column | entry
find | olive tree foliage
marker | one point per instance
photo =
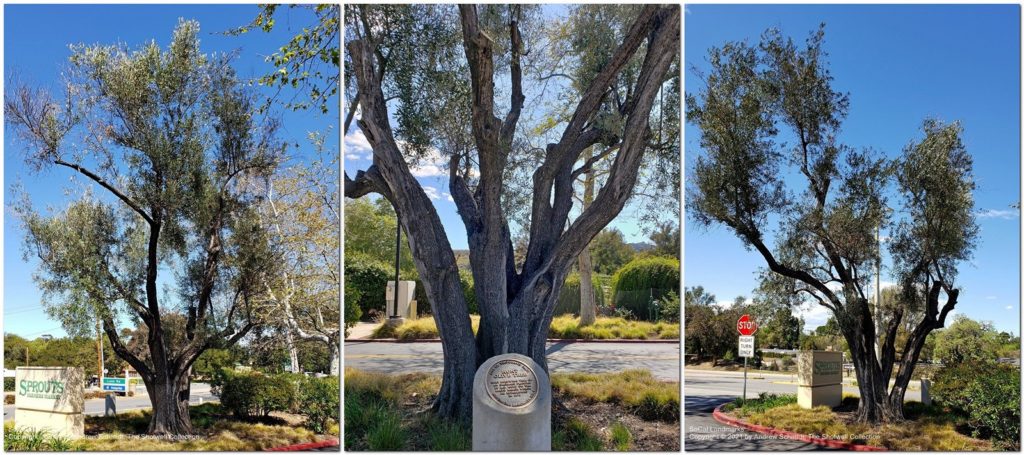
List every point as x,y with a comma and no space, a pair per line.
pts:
459,89
308,62
825,247
166,138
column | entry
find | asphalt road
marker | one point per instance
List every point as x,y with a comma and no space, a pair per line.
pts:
662,359
704,390
199,391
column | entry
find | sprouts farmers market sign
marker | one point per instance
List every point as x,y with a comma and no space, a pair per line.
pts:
50,390
50,398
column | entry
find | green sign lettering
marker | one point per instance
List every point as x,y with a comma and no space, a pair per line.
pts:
50,390
827,368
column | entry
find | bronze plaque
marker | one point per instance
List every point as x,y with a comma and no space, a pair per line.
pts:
512,383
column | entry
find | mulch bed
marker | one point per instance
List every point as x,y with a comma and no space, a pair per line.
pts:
648,435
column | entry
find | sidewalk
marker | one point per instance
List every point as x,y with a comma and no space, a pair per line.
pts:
361,331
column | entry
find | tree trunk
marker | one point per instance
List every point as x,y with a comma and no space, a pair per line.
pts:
293,352
335,358
169,396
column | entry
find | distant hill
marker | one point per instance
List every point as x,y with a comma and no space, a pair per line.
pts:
640,247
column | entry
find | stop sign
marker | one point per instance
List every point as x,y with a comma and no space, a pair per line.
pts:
746,326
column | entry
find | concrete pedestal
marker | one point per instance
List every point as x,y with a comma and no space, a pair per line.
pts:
820,379
511,405
824,395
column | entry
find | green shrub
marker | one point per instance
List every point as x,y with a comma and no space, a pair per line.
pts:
951,385
569,296
988,395
8,384
639,285
368,278
254,394
352,310
318,401
995,409
763,402
670,307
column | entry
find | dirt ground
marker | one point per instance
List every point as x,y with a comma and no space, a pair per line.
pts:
648,436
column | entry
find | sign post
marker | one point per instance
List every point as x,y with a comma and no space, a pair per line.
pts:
747,327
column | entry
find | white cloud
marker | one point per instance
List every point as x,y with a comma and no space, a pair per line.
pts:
432,192
990,297
430,165
356,142
814,314
1009,307
448,197
1001,214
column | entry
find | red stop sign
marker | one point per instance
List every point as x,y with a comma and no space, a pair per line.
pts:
746,326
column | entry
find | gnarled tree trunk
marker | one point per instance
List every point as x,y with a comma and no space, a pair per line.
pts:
516,304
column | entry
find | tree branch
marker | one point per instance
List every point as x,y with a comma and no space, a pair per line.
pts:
102,182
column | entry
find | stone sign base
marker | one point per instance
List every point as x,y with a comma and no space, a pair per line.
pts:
65,425
824,395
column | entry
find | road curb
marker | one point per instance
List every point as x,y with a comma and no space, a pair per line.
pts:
304,446
734,422
550,340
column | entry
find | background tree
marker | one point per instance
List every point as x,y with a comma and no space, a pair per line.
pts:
516,302
610,251
301,209
666,240
967,340
826,245
167,136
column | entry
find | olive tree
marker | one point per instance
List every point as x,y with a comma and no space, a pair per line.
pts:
167,137
826,247
516,301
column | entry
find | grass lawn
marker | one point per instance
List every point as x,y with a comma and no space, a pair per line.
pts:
125,433
391,412
565,327
927,428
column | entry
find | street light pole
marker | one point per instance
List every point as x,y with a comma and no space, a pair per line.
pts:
398,255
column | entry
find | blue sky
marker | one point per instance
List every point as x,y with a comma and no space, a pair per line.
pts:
433,175
900,65
36,39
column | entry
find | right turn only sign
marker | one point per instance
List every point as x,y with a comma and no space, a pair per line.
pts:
746,346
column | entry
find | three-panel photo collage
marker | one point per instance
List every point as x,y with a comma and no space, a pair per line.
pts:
579,227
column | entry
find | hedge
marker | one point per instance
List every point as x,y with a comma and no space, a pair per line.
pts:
252,394
369,279
569,296
643,281
987,395
318,400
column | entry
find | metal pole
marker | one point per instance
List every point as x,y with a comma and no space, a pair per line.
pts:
744,379
398,255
